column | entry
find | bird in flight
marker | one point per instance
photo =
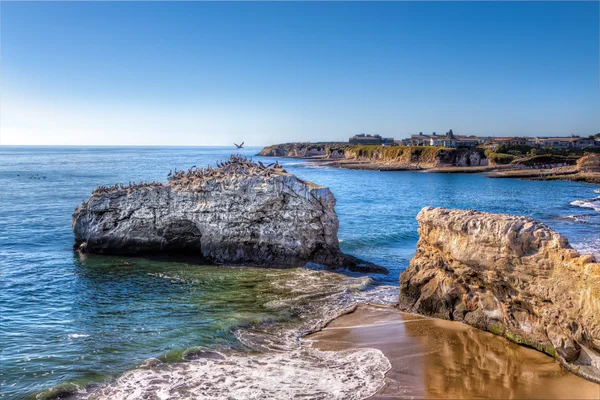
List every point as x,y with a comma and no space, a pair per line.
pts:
239,146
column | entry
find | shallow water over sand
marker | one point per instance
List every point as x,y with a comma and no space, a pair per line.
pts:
432,358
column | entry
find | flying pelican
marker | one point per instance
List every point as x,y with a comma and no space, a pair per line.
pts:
239,146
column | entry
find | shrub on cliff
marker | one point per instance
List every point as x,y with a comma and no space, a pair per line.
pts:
545,159
499,158
514,149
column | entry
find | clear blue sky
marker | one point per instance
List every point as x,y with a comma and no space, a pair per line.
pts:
197,73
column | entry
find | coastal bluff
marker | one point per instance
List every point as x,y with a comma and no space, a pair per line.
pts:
240,212
380,157
512,276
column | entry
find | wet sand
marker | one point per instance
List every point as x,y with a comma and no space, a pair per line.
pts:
433,358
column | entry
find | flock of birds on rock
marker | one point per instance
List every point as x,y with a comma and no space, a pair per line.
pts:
237,165
120,186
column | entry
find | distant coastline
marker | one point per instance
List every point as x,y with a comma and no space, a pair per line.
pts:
503,162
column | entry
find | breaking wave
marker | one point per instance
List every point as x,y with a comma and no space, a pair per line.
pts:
593,203
77,335
298,374
579,218
276,362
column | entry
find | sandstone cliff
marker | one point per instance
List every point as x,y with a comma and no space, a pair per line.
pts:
512,276
420,156
589,163
239,213
298,150
417,156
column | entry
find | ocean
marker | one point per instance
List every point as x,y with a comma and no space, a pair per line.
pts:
77,323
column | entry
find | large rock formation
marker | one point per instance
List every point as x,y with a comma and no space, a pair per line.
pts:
421,157
238,213
510,275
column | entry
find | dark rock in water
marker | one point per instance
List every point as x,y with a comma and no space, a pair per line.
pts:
59,392
512,276
238,213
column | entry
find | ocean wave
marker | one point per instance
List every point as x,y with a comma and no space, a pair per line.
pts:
591,246
593,203
305,373
318,165
578,218
276,363
77,335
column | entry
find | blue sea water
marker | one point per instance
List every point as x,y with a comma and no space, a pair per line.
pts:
85,320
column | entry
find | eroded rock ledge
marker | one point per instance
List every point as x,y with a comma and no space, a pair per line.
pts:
238,213
400,157
512,276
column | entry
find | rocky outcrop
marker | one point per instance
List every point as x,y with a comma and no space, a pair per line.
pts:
418,156
589,163
298,150
238,213
510,275
468,157
544,162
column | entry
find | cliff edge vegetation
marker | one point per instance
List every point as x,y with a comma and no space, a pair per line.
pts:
392,157
502,161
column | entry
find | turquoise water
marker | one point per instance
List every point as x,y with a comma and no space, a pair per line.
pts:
87,320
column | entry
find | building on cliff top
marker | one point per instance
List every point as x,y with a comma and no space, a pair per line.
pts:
565,142
448,140
363,138
452,140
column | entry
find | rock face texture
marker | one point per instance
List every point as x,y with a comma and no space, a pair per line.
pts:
239,213
589,163
295,150
461,158
423,157
512,276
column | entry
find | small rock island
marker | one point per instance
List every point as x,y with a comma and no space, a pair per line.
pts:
240,212
512,276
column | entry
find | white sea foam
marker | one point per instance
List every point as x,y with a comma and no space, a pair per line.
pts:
593,203
586,219
77,335
280,365
304,373
590,246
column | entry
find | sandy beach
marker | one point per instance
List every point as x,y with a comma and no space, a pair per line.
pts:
433,358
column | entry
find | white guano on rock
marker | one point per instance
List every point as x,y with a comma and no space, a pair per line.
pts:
238,213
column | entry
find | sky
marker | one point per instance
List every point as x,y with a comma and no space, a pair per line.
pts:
213,73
